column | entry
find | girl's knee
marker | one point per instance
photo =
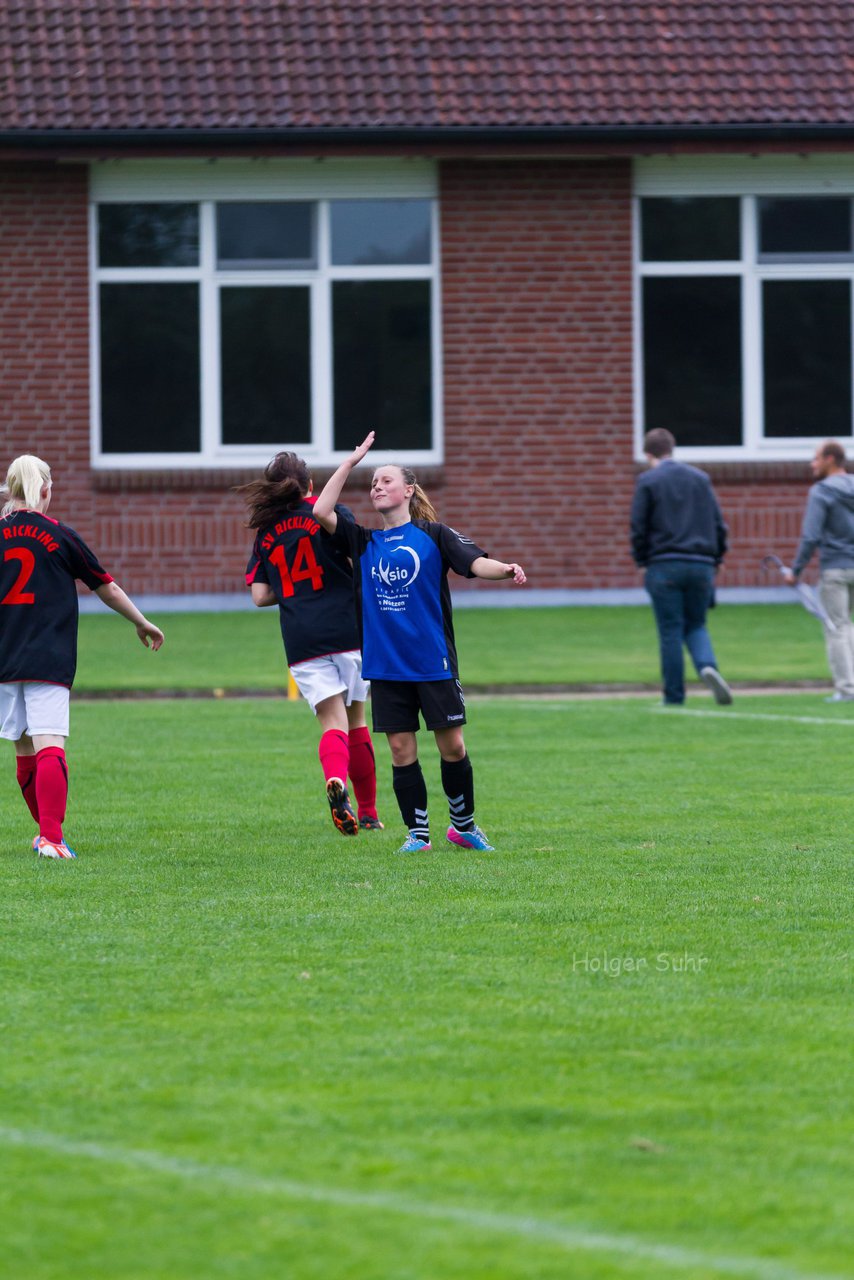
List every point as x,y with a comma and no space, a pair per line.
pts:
451,744
403,747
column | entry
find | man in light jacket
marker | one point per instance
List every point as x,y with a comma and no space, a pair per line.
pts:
829,525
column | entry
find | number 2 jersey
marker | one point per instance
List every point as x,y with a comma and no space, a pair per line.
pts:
312,581
402,580
40,559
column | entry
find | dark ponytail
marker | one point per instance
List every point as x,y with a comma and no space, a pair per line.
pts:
283,486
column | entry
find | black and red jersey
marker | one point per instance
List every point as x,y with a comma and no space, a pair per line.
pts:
312,580
40,559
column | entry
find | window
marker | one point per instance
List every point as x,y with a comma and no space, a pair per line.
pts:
381,361
745,324
229,328
692,357
149,367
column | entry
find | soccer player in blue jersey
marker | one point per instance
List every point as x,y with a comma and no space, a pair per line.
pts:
40,560
408,650
295,565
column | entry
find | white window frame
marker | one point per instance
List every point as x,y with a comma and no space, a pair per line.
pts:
748,178
208,183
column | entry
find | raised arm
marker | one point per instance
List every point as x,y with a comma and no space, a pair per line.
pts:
497,570
114,598
324,508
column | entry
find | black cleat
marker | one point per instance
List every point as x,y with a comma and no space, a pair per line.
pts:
342,811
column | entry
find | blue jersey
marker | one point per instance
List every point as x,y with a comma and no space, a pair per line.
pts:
402,580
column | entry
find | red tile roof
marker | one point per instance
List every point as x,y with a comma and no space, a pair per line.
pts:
368,64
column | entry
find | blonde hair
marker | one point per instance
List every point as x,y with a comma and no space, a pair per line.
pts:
420,506
24,481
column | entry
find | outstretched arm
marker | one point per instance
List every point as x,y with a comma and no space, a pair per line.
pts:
496,570
324,508
114,598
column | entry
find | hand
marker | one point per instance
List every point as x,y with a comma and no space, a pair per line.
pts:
788,577
147,631
359,452
516,572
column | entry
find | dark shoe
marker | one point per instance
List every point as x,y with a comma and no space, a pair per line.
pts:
342,811
371,824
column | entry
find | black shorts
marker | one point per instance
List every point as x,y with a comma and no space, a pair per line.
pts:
395,705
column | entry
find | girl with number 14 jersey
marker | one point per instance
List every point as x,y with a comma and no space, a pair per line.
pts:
294,565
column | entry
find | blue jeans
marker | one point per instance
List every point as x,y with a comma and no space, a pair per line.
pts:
681,591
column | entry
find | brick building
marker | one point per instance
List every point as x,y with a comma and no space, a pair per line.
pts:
511,237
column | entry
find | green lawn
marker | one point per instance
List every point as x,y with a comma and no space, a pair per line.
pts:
496,646
236,1044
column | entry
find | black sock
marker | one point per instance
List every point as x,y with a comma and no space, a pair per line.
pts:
411,792
458,784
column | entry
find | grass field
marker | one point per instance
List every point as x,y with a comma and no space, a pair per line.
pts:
496,646
236,1044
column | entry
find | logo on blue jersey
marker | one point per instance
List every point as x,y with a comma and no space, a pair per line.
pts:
397,574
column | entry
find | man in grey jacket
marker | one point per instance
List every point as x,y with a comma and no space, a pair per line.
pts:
829,525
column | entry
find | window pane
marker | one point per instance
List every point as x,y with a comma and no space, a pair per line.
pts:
148,235
807,357
811,225
381,354
149,368
691,229
380,232
266,377
265,235
692,358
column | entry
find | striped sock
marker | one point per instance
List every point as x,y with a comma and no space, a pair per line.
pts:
410,790
458,785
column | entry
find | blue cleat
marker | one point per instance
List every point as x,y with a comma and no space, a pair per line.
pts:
414,844
474,839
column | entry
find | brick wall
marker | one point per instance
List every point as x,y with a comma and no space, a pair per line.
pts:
537,352
537,313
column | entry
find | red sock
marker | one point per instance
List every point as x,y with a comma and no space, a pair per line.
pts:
334,752
51,791
363,771
26,766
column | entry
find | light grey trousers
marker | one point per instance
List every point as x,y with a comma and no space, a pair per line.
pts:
836,588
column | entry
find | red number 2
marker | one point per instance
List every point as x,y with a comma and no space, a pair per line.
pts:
304,567
28,563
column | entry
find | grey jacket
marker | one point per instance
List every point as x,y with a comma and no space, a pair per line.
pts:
828,525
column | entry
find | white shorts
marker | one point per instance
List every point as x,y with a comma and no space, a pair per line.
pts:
322,678
28,706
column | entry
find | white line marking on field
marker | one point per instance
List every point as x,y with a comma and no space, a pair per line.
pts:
540,1230
753,715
